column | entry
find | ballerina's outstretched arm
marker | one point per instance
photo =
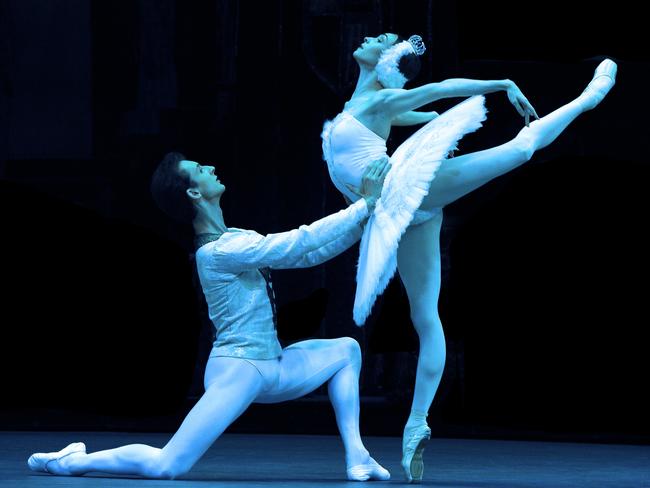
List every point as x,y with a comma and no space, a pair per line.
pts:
413,118
396,101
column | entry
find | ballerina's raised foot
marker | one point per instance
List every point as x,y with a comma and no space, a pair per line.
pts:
47,462
369,471
413,445
603,81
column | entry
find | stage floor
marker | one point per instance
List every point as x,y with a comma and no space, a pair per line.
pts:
317,461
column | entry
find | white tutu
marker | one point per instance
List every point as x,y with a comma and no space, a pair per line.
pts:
414,165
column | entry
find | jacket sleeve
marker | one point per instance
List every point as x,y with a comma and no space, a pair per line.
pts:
305,246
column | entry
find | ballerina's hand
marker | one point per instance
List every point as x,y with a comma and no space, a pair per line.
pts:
521,103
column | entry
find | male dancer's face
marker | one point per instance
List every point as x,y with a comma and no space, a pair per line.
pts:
370,50
202,179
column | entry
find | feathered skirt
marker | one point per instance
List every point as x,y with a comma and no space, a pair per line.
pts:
414,166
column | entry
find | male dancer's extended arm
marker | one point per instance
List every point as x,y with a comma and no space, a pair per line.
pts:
305,246
326,252
308,245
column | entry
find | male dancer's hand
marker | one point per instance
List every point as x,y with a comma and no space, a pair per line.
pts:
372,181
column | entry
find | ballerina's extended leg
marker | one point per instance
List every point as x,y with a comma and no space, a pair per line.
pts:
419,267
463,174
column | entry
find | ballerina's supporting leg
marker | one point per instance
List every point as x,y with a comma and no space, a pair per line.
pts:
463,174
225,398
418,259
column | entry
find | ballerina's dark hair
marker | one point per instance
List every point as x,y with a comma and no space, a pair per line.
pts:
409,65
168,189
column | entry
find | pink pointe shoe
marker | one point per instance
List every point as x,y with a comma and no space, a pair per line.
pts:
39,461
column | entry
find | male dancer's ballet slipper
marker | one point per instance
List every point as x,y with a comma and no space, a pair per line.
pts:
603,80
369,471
40,460
413,445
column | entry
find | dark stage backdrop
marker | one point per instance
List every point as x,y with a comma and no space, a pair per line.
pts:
544,269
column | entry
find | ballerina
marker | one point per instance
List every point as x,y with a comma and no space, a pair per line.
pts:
403,233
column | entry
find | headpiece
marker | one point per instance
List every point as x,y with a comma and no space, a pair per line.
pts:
418,46
387,68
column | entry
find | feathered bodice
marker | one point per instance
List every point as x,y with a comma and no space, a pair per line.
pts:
348,147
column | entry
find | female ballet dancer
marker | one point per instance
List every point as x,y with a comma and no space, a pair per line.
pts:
404,231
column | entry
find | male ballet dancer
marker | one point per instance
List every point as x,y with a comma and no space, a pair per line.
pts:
247,363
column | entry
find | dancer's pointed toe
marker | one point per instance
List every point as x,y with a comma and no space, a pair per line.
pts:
39,461
606,68
413,445
600,85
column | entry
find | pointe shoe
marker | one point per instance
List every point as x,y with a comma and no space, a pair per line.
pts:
40,460
413,445
372,470
603,81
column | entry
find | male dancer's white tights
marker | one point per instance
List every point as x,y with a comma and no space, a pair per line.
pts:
231,385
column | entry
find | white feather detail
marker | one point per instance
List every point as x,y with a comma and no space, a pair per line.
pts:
414,165
387,67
